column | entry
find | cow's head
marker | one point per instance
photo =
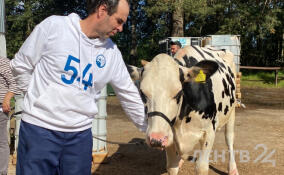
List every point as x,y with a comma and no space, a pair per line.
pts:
161,88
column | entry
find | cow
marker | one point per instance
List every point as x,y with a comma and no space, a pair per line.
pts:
187,98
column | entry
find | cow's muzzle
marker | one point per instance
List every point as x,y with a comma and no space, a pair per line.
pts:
158,140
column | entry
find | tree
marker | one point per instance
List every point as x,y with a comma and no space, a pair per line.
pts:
260,24
260,27
22,16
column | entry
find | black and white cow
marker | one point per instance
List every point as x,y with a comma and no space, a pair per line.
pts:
187,98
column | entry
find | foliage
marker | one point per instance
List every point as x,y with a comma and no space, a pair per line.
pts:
264,79
22,16
259,23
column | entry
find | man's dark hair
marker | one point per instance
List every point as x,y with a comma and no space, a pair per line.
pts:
175,43
111,5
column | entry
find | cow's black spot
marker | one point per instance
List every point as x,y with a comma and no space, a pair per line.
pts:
189,61
213,123
229,79
223,94
231,73
219,71
226,88
208,53
220,107
226,110
180,63
195,48
178,96
181,75
232,100
215,49
232,84
221,65
143,97
188,119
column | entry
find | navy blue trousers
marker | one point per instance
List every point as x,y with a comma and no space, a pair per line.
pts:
46,152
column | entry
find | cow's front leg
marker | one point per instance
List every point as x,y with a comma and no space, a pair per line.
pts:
173,160
202,164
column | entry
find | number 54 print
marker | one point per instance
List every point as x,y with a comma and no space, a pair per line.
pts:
74,76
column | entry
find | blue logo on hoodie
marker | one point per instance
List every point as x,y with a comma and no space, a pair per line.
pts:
101,61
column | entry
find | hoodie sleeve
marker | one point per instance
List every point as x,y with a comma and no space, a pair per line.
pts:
28,56
128,94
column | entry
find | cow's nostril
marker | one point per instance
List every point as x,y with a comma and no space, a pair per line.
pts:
156,143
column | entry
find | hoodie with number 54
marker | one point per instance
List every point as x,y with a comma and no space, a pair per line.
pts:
61,72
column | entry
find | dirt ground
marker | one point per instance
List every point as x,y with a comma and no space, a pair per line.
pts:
259,141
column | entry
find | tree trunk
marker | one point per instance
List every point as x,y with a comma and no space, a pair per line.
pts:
177,16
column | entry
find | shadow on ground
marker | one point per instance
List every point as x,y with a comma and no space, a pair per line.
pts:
130,159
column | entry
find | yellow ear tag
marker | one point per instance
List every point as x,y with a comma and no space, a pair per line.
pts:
201,77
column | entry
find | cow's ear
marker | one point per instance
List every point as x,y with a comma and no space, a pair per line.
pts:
202,71
208,67
144,62
135,72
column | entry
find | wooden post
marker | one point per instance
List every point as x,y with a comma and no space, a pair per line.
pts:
238,88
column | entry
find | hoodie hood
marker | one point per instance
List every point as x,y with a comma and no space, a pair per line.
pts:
98,42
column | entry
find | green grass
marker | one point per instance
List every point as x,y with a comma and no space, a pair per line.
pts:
262,79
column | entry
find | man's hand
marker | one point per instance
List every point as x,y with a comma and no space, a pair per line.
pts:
6,102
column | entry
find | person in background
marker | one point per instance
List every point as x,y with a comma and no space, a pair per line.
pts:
61,68
8,89
175,46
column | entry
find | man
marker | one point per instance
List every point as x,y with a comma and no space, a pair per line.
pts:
175,46
7,91
61,68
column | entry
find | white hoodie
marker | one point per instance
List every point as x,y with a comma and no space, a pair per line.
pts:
49,68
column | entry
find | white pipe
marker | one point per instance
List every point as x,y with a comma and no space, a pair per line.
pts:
19,99
99,124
